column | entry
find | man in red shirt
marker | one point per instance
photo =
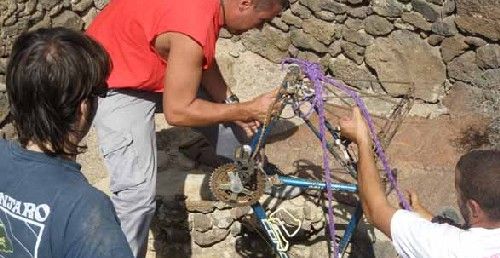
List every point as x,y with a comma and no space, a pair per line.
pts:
163,50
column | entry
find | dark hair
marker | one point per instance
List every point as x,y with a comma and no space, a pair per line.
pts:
50,73
263,4
479,180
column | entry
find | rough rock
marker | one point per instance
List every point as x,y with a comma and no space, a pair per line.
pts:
461,93
464,68
68,19
82,5
377,26
428,10
291,19
222,219
353,51
403,56
359,38
304,41
435,40
321,30
452,47
449,7
3,65
344,69
445,27
388,8
326,16
335,48
361,12
269,42
225,34
417,20
278,23
334,7
210,237
475,41
310,56
100,4
494,133
201,222
354,24
488,56
89,17
488,80
401,25
479,17
301,11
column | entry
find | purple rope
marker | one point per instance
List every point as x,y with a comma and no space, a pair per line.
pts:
317,77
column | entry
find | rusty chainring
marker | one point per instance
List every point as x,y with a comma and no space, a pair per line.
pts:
253,187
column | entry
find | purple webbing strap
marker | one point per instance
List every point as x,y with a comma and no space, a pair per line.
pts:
315,74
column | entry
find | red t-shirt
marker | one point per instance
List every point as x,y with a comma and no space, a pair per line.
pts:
128,28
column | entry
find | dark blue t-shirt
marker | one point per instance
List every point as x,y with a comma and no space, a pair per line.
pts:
48,209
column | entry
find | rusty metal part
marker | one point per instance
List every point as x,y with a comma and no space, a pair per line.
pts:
224,190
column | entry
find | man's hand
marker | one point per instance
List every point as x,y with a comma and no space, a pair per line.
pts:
354,128
260,106
250,128
417,206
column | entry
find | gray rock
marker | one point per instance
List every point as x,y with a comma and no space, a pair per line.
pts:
361,12
479,17
3,87
494,132
353,51
310,56
201,222
488,56
428,10
346,70
89,17
464,68
291,19
452,47
334,7
446,27
68,19
360,38
236,228
354,24
321,30
475,41
340,18
417,20
388,8
326,16
82,5
100,4
269,42
210,237
378,26
304,41
404,57
3,65
278,23
438,2
435,40
488,80
356,2
48,4
301,11
449,6
313,5
335,48
293,51
222,219
224,33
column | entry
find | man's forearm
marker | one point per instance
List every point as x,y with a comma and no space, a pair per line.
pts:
213,82
201,112
374,201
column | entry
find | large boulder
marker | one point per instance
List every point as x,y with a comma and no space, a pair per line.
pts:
479,17
404,57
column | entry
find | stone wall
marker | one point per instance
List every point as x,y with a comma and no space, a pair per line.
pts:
448,49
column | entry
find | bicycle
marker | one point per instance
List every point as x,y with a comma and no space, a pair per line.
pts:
243,182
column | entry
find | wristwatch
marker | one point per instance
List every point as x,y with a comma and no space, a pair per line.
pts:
232,99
